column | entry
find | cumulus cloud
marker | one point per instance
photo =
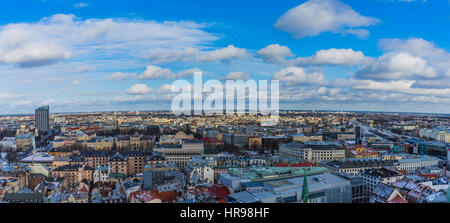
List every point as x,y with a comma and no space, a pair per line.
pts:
60,37
296,75
224,55
155,72
120,76
239,75
274,53
409,59
139,89
347,57
317,16
397,66
164,89
373,85
161,56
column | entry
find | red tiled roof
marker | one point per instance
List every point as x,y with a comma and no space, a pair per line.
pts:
397,200
168,196
218,191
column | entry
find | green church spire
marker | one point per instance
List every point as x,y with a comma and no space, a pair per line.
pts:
305,190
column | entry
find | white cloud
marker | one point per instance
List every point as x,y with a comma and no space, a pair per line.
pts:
373,85
156,72
81,5
119,76
161,56
239,75
398,66
317,16
274,53
164,89
77,83
139,89
84,68
61,37
185,73
296,75
333,56
223,55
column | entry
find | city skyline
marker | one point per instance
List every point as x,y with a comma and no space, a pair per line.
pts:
377,55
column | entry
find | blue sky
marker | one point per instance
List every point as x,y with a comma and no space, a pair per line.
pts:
380,55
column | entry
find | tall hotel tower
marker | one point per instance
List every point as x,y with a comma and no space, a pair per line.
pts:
42,119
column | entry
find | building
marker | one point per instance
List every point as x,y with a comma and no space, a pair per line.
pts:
355,166
360,152
24,197
411,163
134,142
24,142
129,163
200,170
436,149
383,193
321,188
311,152
306,138
436,134
360,193
160,174
181,154
101,173
373,177
238,179
42,119
73,174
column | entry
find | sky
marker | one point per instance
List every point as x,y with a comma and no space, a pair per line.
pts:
372,55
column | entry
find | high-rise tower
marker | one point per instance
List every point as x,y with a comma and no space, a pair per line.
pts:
41,117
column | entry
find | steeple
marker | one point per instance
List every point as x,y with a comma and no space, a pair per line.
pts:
305,190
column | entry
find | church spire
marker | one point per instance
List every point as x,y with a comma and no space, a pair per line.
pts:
305,190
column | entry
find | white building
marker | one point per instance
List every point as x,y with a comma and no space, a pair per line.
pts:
101,173
314,152
373,177
417,162
182,154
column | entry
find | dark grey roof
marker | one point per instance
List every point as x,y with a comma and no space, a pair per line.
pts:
22,196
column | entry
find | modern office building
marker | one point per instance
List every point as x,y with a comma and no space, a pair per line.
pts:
42,118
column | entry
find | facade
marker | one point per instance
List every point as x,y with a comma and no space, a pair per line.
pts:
129,163
101,173
134,142
356,166
160,174
417,162
373,177
306,138
237,179
42,119
361,152
73,174
436,149
322,188
24,142
313,153
181,154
